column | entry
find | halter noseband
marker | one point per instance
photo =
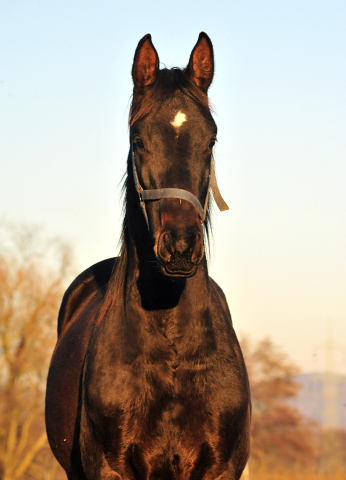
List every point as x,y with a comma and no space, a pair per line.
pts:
157,193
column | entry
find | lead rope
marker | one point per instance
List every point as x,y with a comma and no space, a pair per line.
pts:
220,202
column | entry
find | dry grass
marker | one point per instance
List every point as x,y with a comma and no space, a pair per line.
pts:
266,475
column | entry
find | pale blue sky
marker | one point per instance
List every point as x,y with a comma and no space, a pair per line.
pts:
279,93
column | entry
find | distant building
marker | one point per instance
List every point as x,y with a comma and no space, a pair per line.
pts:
322,398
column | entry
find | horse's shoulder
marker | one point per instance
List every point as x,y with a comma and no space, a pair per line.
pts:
91,280
222,297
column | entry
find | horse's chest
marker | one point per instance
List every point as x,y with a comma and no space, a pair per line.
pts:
161,398
161,392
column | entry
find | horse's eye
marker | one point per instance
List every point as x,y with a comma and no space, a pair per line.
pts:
137,143
212,143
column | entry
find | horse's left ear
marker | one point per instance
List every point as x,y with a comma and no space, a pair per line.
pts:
145,64
200,69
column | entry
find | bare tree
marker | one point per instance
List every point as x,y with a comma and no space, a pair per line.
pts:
32,280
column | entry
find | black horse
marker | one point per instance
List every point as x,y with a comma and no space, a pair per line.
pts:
147,380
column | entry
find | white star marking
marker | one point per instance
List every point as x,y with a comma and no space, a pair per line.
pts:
179,119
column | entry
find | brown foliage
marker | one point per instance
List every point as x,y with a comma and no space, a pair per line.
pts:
281,438
32,273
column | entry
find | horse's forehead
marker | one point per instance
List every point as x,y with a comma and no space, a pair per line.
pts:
176,116
183,115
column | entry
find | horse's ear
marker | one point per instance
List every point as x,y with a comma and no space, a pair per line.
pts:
145,64
200,69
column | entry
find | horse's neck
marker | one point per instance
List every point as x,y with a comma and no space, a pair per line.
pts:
142,304
151,290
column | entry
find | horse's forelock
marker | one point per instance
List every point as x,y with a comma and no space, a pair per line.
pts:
168,83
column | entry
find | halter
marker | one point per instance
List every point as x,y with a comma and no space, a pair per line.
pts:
157,193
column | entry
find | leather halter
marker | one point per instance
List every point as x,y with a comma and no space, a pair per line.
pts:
158,193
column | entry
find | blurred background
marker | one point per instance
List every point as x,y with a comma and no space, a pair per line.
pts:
279,253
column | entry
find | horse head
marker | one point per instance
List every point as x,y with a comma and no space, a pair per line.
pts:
172,134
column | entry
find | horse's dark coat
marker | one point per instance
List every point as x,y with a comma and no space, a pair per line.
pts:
147,380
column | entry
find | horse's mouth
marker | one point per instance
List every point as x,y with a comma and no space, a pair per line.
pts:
171,270
180,273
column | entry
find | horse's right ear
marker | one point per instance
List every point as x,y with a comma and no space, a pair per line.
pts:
145,64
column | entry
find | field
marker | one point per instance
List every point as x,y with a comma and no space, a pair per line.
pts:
265,475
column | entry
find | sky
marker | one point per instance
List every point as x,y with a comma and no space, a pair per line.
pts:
279,94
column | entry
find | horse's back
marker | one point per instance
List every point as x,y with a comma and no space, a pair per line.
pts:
77,316
92,280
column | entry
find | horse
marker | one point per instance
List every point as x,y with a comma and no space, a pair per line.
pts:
147,380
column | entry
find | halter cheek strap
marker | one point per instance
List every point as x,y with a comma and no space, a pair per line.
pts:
157,193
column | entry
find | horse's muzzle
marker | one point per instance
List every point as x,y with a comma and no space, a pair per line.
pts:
179,246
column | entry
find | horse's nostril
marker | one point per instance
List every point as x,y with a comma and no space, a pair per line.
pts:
198,250
166,248
168,243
